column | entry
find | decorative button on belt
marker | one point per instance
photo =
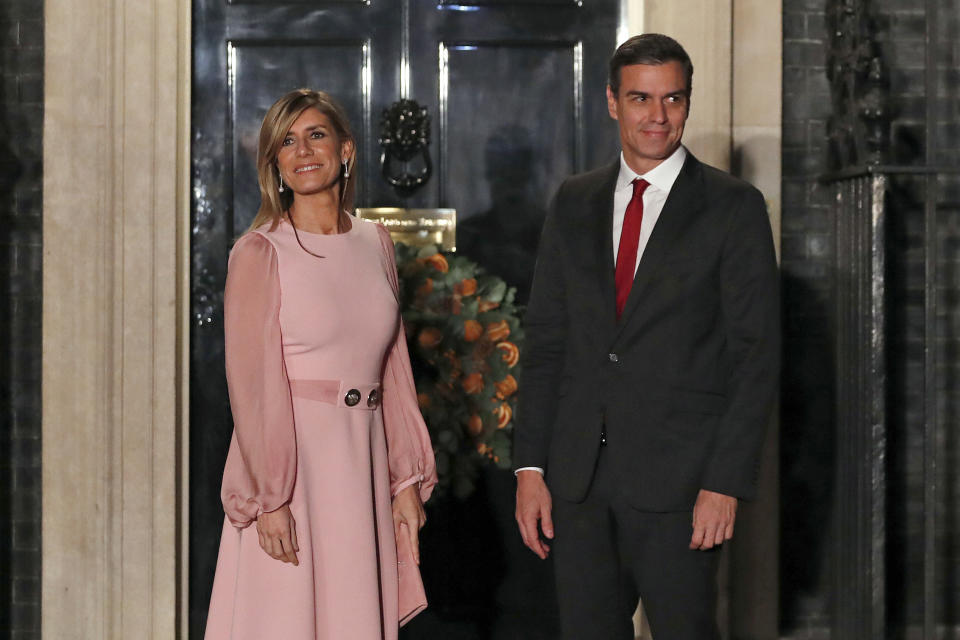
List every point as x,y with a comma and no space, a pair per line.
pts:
352,398
373,398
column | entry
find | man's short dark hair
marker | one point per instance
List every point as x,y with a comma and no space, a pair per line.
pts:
649,48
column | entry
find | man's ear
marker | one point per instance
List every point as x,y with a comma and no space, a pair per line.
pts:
612,103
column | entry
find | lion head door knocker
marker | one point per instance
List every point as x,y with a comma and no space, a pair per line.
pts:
404,135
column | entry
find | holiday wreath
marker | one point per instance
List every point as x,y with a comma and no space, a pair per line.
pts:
464,333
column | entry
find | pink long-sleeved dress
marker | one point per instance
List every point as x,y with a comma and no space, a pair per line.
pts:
325,419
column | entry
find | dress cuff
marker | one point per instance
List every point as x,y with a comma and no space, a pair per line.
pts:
406,483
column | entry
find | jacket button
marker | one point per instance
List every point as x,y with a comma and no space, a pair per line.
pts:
614,358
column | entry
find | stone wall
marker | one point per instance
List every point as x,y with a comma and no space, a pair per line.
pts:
807,385
21,125
903,44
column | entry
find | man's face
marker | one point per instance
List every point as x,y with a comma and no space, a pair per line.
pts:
651,109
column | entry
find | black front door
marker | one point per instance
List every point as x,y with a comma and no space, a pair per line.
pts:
515,91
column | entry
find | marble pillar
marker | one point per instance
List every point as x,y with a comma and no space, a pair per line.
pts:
115,269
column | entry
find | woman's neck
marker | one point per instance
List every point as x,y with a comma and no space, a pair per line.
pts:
319,213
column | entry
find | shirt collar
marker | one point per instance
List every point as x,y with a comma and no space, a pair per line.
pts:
661,176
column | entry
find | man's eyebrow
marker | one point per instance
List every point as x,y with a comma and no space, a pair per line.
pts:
678,92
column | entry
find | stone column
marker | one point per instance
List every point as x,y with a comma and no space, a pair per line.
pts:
116,197
704,29
756,148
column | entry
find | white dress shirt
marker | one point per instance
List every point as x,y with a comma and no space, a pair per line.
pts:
661,179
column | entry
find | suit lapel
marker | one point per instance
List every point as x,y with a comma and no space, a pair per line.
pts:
682,204
602,229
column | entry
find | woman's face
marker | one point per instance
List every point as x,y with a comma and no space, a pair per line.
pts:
311,154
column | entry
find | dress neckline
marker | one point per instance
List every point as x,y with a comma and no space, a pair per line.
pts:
354,222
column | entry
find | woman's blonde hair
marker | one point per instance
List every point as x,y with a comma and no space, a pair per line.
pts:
280,117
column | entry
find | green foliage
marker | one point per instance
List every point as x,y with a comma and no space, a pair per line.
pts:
463,329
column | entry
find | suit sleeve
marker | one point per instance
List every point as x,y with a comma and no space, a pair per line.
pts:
543,356
750,306
262,459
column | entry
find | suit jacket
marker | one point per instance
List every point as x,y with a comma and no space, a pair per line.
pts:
685,381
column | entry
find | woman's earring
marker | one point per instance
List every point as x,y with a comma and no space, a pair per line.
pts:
346,169
280,175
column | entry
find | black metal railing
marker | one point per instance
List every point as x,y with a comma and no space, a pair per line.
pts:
863,334
860,316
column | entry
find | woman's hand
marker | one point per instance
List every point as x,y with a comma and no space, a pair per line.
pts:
278,534
407,509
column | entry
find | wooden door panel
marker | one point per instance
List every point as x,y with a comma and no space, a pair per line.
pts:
498,136
467,5
312,3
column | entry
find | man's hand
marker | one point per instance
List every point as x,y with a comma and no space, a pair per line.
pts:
278,534
713,517
408,510
534,505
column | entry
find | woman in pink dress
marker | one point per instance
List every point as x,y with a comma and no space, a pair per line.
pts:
330,458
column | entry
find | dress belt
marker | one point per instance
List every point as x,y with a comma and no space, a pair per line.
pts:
342,393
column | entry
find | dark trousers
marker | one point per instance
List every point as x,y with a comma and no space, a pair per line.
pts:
609,555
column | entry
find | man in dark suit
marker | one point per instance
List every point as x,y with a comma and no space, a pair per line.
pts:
650,369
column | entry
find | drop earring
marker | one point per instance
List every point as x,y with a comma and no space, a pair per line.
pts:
280,175
346,169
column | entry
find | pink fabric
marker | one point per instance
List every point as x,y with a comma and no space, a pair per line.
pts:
291,316
335,392
322,390
262,459
402,417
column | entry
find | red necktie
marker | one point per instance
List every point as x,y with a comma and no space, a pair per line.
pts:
629,241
